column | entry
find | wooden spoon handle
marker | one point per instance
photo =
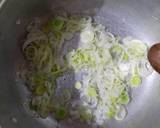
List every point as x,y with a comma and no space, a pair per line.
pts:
154,57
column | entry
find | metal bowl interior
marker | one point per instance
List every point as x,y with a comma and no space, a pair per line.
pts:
137,18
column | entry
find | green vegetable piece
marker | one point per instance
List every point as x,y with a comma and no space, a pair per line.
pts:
113,99
40,90
116,49
135,80
82,58
30,52
124,98
137,49
57,23
57,35
111,113
56,68
41,105
78,85
92,92
61,113
39,79
65,95
33,106
86,116
125,57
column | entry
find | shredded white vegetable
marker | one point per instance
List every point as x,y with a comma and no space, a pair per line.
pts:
106,66
112,68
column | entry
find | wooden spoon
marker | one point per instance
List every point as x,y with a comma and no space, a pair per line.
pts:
154,57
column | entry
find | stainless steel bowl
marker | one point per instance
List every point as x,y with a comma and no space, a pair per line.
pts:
137,18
